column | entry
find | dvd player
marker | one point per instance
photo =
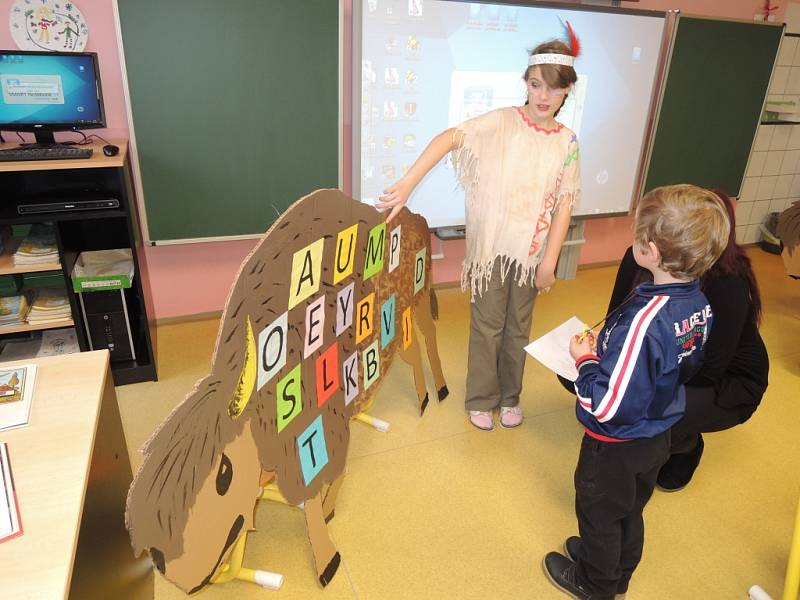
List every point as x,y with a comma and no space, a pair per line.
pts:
67,206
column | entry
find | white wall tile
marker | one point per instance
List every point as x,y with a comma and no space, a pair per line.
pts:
760,210
794,137
752,234
777,205
795,189
790,160
743,210
764,136
740,233
782,186
788,47
772,166
779,81
756,164
793,83
780,137
749,189
766,187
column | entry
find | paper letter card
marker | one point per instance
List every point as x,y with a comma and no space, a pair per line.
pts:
552,349
16,393
10,524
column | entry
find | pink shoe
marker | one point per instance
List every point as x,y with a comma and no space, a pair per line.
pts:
510,416
482,419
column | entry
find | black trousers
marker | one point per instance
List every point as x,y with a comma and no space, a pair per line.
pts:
613,482
704,415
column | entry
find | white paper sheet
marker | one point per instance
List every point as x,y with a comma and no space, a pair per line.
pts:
58,341
16,393
552,349
9,516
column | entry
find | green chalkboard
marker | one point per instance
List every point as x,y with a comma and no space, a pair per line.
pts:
235,109
714,92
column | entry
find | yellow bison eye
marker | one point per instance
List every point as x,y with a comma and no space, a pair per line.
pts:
247,378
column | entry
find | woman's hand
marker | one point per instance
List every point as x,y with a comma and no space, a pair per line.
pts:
544,279
581,345
395,197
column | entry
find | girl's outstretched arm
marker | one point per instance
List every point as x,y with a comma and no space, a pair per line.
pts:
396,196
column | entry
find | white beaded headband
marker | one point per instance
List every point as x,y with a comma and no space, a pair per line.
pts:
551,59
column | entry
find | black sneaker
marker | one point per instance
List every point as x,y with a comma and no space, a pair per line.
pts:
572,546
677,472
561,572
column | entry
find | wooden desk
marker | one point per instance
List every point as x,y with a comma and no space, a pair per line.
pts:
97,160
72,473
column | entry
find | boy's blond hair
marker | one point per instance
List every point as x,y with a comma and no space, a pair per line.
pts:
688,224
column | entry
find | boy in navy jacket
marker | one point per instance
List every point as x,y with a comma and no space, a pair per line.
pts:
630,388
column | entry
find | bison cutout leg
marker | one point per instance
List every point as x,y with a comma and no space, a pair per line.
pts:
428,328
329,498
326,558
413,356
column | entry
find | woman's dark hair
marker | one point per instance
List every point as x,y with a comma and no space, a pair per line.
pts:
734,260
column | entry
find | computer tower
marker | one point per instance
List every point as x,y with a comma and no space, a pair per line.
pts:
105,314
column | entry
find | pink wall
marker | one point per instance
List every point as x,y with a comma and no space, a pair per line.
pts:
102,39
195,278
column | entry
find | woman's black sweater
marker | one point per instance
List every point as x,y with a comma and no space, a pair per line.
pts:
735,358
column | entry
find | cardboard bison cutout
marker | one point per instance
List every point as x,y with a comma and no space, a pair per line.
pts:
318,311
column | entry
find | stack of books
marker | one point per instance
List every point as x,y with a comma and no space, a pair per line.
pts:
13,310
38,247
49,305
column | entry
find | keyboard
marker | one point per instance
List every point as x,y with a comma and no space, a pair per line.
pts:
44,153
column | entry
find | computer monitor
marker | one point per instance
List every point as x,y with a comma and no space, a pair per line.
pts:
44,92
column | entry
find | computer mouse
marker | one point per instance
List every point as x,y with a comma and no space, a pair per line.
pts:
110,150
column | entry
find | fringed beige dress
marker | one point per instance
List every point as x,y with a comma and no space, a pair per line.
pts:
514,174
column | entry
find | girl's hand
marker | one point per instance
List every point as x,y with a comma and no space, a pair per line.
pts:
544,279
395,197
578,347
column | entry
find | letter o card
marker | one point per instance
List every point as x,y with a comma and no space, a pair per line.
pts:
272,349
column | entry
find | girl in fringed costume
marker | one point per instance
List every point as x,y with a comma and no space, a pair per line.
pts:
519,170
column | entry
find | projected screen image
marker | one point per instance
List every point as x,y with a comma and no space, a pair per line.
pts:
48,89
426,65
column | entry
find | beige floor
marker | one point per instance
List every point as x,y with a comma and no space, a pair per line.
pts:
437,509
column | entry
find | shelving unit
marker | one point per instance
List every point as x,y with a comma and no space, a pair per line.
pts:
47,182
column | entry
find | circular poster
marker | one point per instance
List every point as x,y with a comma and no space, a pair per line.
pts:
48,25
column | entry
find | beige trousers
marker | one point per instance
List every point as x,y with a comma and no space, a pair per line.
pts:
500,327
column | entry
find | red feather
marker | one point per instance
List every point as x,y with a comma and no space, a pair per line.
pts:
574,42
